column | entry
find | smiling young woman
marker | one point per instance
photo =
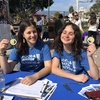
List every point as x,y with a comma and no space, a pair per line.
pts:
33,54
76,63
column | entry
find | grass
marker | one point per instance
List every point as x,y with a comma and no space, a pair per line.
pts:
85,26
85,29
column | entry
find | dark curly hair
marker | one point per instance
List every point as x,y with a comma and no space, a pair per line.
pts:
77,45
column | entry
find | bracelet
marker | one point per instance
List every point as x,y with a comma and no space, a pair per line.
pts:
3,54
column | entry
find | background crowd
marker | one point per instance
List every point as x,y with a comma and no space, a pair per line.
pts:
72,59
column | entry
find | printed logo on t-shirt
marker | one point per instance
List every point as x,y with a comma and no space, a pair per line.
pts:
31,59
69,66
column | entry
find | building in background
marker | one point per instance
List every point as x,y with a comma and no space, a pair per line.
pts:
83,14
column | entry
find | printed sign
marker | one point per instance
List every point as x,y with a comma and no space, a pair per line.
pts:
4,20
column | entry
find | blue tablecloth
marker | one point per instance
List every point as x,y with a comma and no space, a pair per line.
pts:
61,93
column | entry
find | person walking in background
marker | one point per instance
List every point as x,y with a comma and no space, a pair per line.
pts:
99,26
93,26
59,23
77,21
33,54
40,23
13,33
66,18
69,52
45,30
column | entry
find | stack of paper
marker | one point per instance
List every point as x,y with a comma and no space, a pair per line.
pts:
41,89
90,88
5,97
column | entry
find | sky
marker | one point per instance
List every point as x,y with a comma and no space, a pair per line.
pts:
63,5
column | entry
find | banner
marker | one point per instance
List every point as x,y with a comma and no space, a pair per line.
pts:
4,20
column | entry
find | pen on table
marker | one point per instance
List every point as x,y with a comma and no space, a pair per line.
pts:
67,87
74,83
44,86
50,92
1,97
49,88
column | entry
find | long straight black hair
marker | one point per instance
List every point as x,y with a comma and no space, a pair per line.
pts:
92,18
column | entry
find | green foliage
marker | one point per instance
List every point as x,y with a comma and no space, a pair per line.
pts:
96,7
27,7
85,26
56,14
71,9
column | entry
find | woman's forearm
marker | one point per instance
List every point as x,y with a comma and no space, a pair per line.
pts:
4,64
94,71
43,72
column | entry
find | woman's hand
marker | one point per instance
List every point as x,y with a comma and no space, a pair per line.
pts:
28,80
90,50
3,45
81,78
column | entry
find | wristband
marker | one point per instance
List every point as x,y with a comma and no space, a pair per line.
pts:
3,54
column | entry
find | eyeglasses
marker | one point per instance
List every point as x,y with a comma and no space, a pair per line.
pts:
75,15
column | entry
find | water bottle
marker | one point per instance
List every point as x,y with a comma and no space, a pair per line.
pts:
2,80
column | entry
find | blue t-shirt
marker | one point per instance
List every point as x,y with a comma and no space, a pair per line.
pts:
70,65
34,59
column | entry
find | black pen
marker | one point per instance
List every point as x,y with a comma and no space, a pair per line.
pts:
67,87
74,83
44,86
1,97
42,90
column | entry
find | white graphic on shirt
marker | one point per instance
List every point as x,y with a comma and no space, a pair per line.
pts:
70,66
31,59
74,66
38,56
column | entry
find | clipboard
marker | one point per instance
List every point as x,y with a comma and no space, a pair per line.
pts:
35,90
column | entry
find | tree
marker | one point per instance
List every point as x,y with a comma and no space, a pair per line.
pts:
96,7
71,9
27,7
56,14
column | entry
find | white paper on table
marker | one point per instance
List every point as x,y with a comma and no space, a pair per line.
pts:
89,88
33,90
7,97
82,92
95,86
